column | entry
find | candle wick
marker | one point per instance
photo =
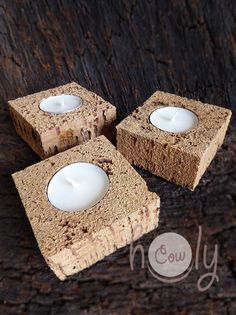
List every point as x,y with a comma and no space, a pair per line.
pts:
72,182
174,117
63,100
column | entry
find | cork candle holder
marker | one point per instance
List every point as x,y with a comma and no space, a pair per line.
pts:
54,120
72,240
173,137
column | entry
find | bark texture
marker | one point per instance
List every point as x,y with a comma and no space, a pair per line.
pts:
123,51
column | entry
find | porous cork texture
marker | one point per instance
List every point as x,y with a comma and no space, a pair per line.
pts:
48,134
181,158
72,241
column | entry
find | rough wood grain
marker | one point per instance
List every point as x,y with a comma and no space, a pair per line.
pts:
124,51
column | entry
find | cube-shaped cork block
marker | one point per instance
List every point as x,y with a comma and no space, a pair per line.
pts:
178,157
48,134
72,241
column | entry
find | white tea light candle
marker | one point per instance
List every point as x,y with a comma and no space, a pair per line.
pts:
77,186
174,119
60,104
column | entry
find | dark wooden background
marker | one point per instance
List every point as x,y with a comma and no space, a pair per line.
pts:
124,51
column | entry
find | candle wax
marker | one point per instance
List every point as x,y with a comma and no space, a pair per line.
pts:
60,104
173,119
77,186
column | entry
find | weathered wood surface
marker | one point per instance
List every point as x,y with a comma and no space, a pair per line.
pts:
123,50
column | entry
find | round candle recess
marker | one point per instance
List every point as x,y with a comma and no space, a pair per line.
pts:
174,119
77,186
60,104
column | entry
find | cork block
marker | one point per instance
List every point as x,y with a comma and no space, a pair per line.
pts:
72,241
48,134
180,157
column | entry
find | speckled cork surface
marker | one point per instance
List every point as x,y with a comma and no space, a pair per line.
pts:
72,241
48,134
179,157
